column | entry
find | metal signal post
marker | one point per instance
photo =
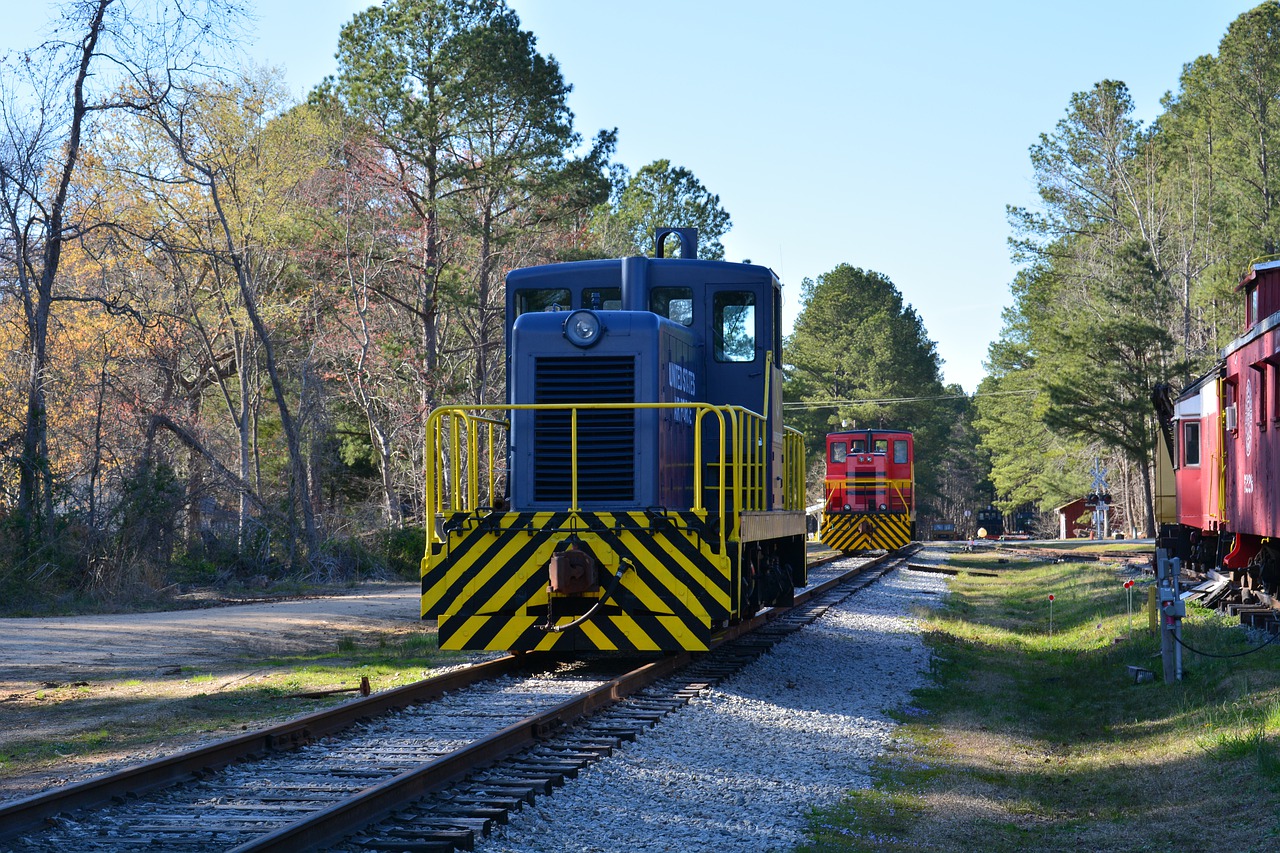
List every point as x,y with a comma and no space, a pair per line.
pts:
1172,611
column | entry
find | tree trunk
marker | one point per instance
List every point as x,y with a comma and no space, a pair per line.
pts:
35,491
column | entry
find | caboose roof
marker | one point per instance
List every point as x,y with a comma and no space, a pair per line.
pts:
1254,269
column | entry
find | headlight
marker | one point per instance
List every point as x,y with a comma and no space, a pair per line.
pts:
582,328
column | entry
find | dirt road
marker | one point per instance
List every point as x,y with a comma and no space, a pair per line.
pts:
75,648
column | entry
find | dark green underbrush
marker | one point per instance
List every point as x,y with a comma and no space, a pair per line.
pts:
73,571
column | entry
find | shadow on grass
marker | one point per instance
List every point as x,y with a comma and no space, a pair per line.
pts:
1025,739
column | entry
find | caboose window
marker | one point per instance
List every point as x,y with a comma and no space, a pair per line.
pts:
734,325
1275,389
1260,413
899,452
542,299
674,303
602,298
1190,443
838,451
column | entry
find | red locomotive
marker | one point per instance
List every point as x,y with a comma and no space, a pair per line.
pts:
1224,435
869,491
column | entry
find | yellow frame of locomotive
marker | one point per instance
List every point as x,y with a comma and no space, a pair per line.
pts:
849,530
454,502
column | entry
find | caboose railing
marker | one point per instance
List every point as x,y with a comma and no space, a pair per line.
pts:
466,449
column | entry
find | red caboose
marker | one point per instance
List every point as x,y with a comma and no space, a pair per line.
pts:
869,491
1226,428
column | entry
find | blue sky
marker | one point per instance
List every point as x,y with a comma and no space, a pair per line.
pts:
887,136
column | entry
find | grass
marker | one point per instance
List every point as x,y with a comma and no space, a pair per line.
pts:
1027,741
1084,546
108,718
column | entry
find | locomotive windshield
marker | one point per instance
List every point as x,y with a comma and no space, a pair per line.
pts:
674,303
548,299
838,453
602,298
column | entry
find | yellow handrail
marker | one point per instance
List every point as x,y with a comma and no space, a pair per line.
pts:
742,472
897,486
436,476
1222,454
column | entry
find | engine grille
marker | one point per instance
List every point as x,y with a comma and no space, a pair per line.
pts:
606,439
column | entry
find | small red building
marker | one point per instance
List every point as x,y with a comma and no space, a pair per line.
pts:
1070,525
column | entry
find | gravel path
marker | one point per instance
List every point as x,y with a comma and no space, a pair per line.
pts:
740,769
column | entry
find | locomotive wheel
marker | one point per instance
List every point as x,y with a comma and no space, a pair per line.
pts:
750,581
777,581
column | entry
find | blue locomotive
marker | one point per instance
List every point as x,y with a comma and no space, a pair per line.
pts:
638,491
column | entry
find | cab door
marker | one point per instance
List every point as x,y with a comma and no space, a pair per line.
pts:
736,371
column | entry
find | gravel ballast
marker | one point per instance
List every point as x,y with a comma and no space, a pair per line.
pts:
740,768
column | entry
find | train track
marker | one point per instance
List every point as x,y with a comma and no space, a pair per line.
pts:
465,748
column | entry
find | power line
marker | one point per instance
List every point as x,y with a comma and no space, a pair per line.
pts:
830,404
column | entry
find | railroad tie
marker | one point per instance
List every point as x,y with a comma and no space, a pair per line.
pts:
410,846
433,842
496,809
548,781
523,793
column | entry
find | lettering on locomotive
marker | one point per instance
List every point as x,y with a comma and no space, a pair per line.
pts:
683,382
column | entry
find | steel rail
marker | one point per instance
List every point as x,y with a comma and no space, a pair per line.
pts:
339,820
29,813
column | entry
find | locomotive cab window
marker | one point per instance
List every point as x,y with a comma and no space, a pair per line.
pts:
1190,443
882,445
899,452
734,325
674,303
857,446
542,299
838,451
602,298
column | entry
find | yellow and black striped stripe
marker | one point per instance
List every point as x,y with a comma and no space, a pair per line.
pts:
865,531
487,582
